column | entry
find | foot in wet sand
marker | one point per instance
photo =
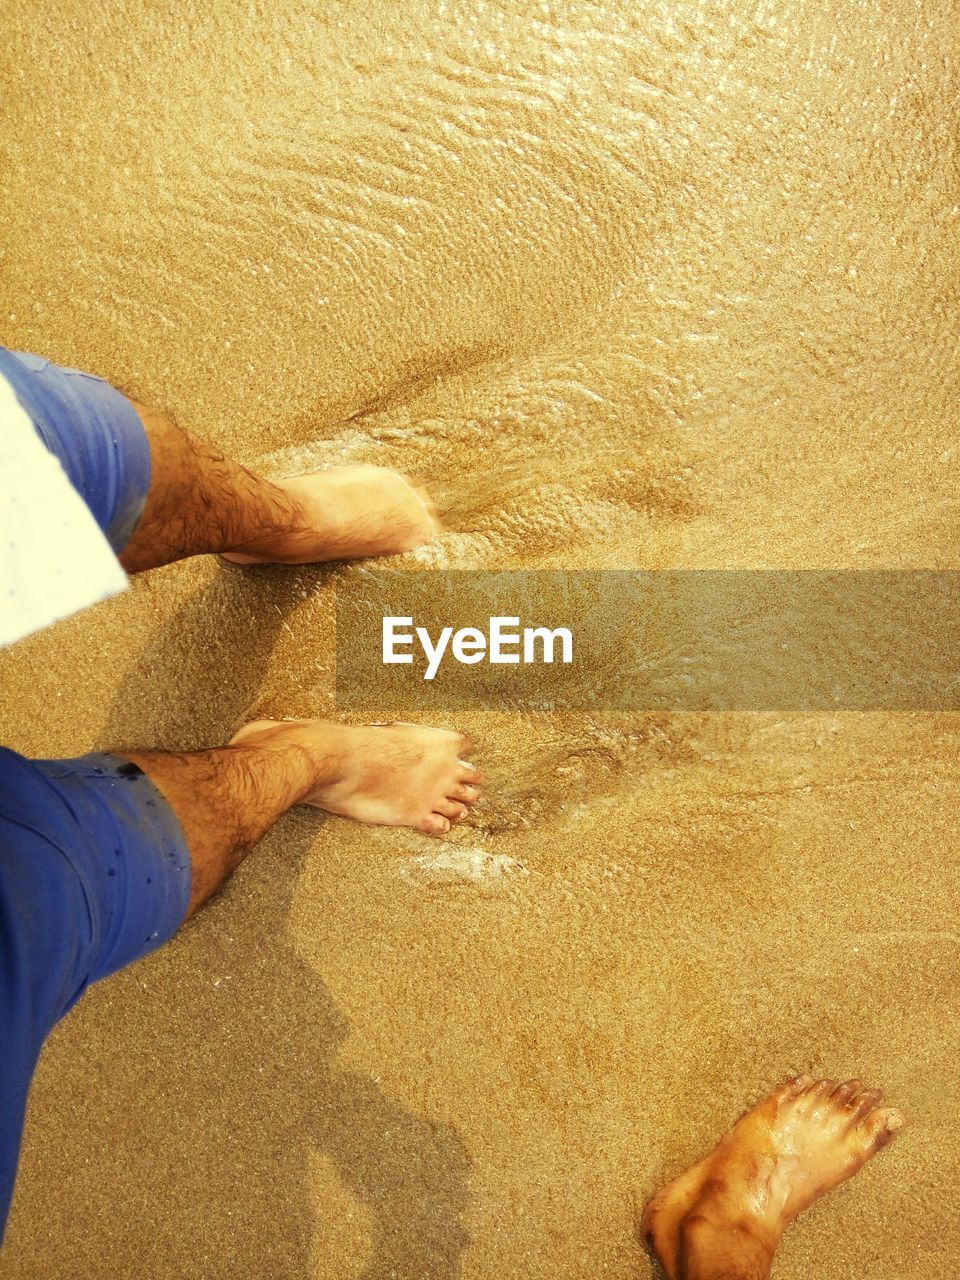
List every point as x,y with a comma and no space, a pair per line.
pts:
723,1219
396,775
344,513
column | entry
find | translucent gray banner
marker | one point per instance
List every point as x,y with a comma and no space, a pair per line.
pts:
677,640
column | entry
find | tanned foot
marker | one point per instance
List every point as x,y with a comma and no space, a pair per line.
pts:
345,512
799,1143
396,775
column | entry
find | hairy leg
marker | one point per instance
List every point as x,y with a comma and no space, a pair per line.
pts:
226,799
202,501
724,1218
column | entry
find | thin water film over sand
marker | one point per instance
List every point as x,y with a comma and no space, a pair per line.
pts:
668,286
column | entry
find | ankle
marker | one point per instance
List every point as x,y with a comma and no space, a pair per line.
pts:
713,1241
325,746
312,751
292,513
271,515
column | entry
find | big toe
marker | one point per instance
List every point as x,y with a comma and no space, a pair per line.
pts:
428,518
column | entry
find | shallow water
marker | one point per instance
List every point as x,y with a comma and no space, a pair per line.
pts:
624,286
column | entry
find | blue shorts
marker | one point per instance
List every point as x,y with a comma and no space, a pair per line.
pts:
94,868
94,873
94,431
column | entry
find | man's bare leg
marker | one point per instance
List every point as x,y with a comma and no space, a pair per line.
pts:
228,798
723,1219
202,501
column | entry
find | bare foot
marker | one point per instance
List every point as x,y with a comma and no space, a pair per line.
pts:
347,512
396,775
799,1143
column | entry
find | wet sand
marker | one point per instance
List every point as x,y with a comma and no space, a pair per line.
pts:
656,287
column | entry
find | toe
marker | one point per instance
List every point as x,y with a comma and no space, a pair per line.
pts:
469,774
451,809
422,496
799,1085
793,1087
428,503
463,793
880,1126
865,1102
846,1091
434,824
